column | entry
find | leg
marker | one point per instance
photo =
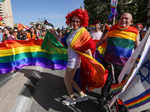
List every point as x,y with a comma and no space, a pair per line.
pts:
69,82
75,85
106,88
118,69
68,78
105,92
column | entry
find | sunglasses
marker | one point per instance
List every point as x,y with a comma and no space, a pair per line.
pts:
75,21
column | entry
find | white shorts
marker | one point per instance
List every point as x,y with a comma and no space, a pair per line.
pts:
73,63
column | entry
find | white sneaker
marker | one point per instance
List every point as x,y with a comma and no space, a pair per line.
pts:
69,101
82,98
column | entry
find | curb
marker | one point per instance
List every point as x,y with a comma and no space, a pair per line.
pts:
7,78
23,100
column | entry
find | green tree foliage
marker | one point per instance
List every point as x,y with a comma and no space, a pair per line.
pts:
100,9
97,9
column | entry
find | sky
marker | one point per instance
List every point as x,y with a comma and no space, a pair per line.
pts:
26,11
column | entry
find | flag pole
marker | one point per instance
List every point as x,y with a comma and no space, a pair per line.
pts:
114,4
114,20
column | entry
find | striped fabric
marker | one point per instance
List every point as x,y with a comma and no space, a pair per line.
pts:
139,100
116,88
99,54
15,54
93,74
136,92
120,44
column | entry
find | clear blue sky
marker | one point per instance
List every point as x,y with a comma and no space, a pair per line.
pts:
25,11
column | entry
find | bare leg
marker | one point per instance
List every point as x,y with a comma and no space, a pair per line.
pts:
68,78
69,83
75,85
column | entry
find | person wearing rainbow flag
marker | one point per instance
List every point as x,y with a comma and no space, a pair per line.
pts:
80,49
121,41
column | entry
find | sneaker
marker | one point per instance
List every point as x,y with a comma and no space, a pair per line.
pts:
82,98
69,101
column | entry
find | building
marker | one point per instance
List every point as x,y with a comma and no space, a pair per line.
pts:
6,12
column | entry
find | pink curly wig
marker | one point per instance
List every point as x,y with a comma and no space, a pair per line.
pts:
81,13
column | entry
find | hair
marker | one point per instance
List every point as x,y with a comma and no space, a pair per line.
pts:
81,13
37,25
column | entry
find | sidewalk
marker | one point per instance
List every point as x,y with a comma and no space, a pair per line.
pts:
10,91
14,96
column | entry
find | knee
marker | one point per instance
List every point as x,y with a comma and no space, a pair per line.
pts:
67,79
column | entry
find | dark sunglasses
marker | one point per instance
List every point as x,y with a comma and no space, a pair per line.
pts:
75,21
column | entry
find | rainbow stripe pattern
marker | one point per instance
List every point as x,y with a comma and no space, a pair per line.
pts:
99,54
93,74
15,54
139,100
120,45
116,88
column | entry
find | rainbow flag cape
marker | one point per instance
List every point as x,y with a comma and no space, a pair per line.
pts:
15,54
120,44
92,73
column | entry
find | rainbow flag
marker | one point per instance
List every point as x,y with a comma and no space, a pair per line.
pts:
92,73
15,54
120,44
99,54
116,88
139,100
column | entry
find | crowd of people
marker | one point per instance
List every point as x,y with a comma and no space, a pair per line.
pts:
8,33
38,31
82,41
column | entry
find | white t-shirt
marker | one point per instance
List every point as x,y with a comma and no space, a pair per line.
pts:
96,35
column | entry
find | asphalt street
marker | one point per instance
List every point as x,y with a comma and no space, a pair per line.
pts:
50,90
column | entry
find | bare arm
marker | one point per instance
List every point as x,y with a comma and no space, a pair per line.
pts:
137,41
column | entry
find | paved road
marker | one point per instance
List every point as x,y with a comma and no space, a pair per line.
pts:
10,90
46,95
4,78
51,88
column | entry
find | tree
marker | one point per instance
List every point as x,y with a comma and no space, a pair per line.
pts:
100,9
97,9
138,8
